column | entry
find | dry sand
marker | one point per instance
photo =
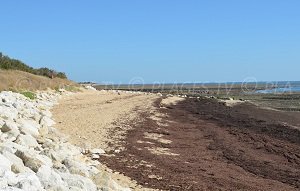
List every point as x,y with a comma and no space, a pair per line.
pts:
96,118
100,119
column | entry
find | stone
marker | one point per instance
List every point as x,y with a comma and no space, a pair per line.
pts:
76,167
33,160
77,181
5,163
95,156
49,178
27,140
11,147
28,182
9,126
46,121
29,127
17,164
3,184
10,177
97,151
44,130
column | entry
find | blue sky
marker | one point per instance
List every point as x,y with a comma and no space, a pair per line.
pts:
158,40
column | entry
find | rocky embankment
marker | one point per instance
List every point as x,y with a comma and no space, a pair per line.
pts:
34,156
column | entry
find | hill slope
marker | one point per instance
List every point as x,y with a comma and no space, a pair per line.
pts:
18,80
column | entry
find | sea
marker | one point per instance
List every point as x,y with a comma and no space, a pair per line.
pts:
282,87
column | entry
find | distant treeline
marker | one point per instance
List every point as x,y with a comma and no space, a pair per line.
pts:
8,63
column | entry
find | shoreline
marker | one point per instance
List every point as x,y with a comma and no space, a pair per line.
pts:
198,139
205,145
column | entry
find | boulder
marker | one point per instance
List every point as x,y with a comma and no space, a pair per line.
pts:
27,140
9,126
17,164
28,182
5,164
11,147
79,182
46,121
29,127
3,184
10,177
49,178
34,161
44,130
76,167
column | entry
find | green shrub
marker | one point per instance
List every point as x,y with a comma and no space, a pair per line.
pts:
8,63
29,95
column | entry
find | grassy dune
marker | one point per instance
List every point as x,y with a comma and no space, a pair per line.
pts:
18,80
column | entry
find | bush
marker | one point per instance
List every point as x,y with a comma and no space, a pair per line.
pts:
29,95
7,63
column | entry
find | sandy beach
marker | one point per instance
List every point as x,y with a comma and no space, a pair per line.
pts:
205,143
91,118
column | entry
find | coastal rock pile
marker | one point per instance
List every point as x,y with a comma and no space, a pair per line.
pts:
34,156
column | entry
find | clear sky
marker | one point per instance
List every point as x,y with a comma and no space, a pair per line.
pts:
156,40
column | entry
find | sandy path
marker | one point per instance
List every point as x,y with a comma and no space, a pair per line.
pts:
92,118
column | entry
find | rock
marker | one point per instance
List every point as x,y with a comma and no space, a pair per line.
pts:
46,121
77,167
29,127
34,156
5,163
33,160
44,130
49,178
28,182
97,151
95,156
80,182
17,164
67,150
27,140
11,147
9,126
3,184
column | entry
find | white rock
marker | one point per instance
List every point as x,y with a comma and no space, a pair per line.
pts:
9,113
12,189
29,127
46,113
5,163
46,121
27,140
17,164
33,160
80,182
95,156
49,178
44,130
28,182
3,184
9,126
10,177
11,147
77,167
97,151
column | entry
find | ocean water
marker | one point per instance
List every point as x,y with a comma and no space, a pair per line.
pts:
280,90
